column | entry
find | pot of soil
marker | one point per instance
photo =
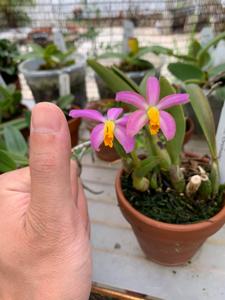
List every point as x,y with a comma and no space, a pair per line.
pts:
44,84
189,130
168,243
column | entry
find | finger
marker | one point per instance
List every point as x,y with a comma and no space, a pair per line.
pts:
50,161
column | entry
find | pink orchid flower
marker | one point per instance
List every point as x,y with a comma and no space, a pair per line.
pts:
151,111
110,127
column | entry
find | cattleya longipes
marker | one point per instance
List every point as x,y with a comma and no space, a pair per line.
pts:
122,129
150,111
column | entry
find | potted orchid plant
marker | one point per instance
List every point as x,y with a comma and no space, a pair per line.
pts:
173,201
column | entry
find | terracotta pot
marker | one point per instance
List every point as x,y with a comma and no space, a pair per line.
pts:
105,153
189,130
163,243
74,125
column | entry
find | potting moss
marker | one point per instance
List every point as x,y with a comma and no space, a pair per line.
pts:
171,207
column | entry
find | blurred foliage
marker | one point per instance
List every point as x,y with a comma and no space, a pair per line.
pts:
12,14
8,60
53,57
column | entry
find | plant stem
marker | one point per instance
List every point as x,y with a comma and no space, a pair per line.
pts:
135,158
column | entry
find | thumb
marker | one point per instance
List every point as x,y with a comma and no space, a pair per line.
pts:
50,151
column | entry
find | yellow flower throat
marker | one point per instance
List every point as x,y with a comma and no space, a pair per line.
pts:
109,133
154,120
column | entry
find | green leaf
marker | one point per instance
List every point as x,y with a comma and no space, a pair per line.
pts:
154,49
194,47
123,76
65,102
143,84
6,162
146,166
14,140
112,79
216,70
119,149
20,160
19,123
184,71
211,43
119,55
174,147
204,115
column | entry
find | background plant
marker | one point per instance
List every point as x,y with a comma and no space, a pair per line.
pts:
13,150
8,60
10,102
53,57
12,14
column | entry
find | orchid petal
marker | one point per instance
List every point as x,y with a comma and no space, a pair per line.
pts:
126,141
152,91
113,113
167,125
132,98
136,122
173,100
89,114
97,136
123,121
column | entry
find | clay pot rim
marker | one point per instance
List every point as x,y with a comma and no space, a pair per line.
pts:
200,226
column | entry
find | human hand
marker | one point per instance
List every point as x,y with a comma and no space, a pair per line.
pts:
44,229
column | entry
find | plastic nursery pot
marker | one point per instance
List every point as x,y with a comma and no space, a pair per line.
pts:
189,130
44,84
105,91
163,243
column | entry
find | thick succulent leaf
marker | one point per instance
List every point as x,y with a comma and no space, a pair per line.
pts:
185,72
112,79
146,166
174,147
143,84
14,141
6,162
123,76
204,115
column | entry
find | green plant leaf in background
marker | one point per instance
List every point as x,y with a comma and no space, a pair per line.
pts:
143,84
14,141
174,147
204,115
215,71
185,72
6,162
125,78
211,43
113,80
